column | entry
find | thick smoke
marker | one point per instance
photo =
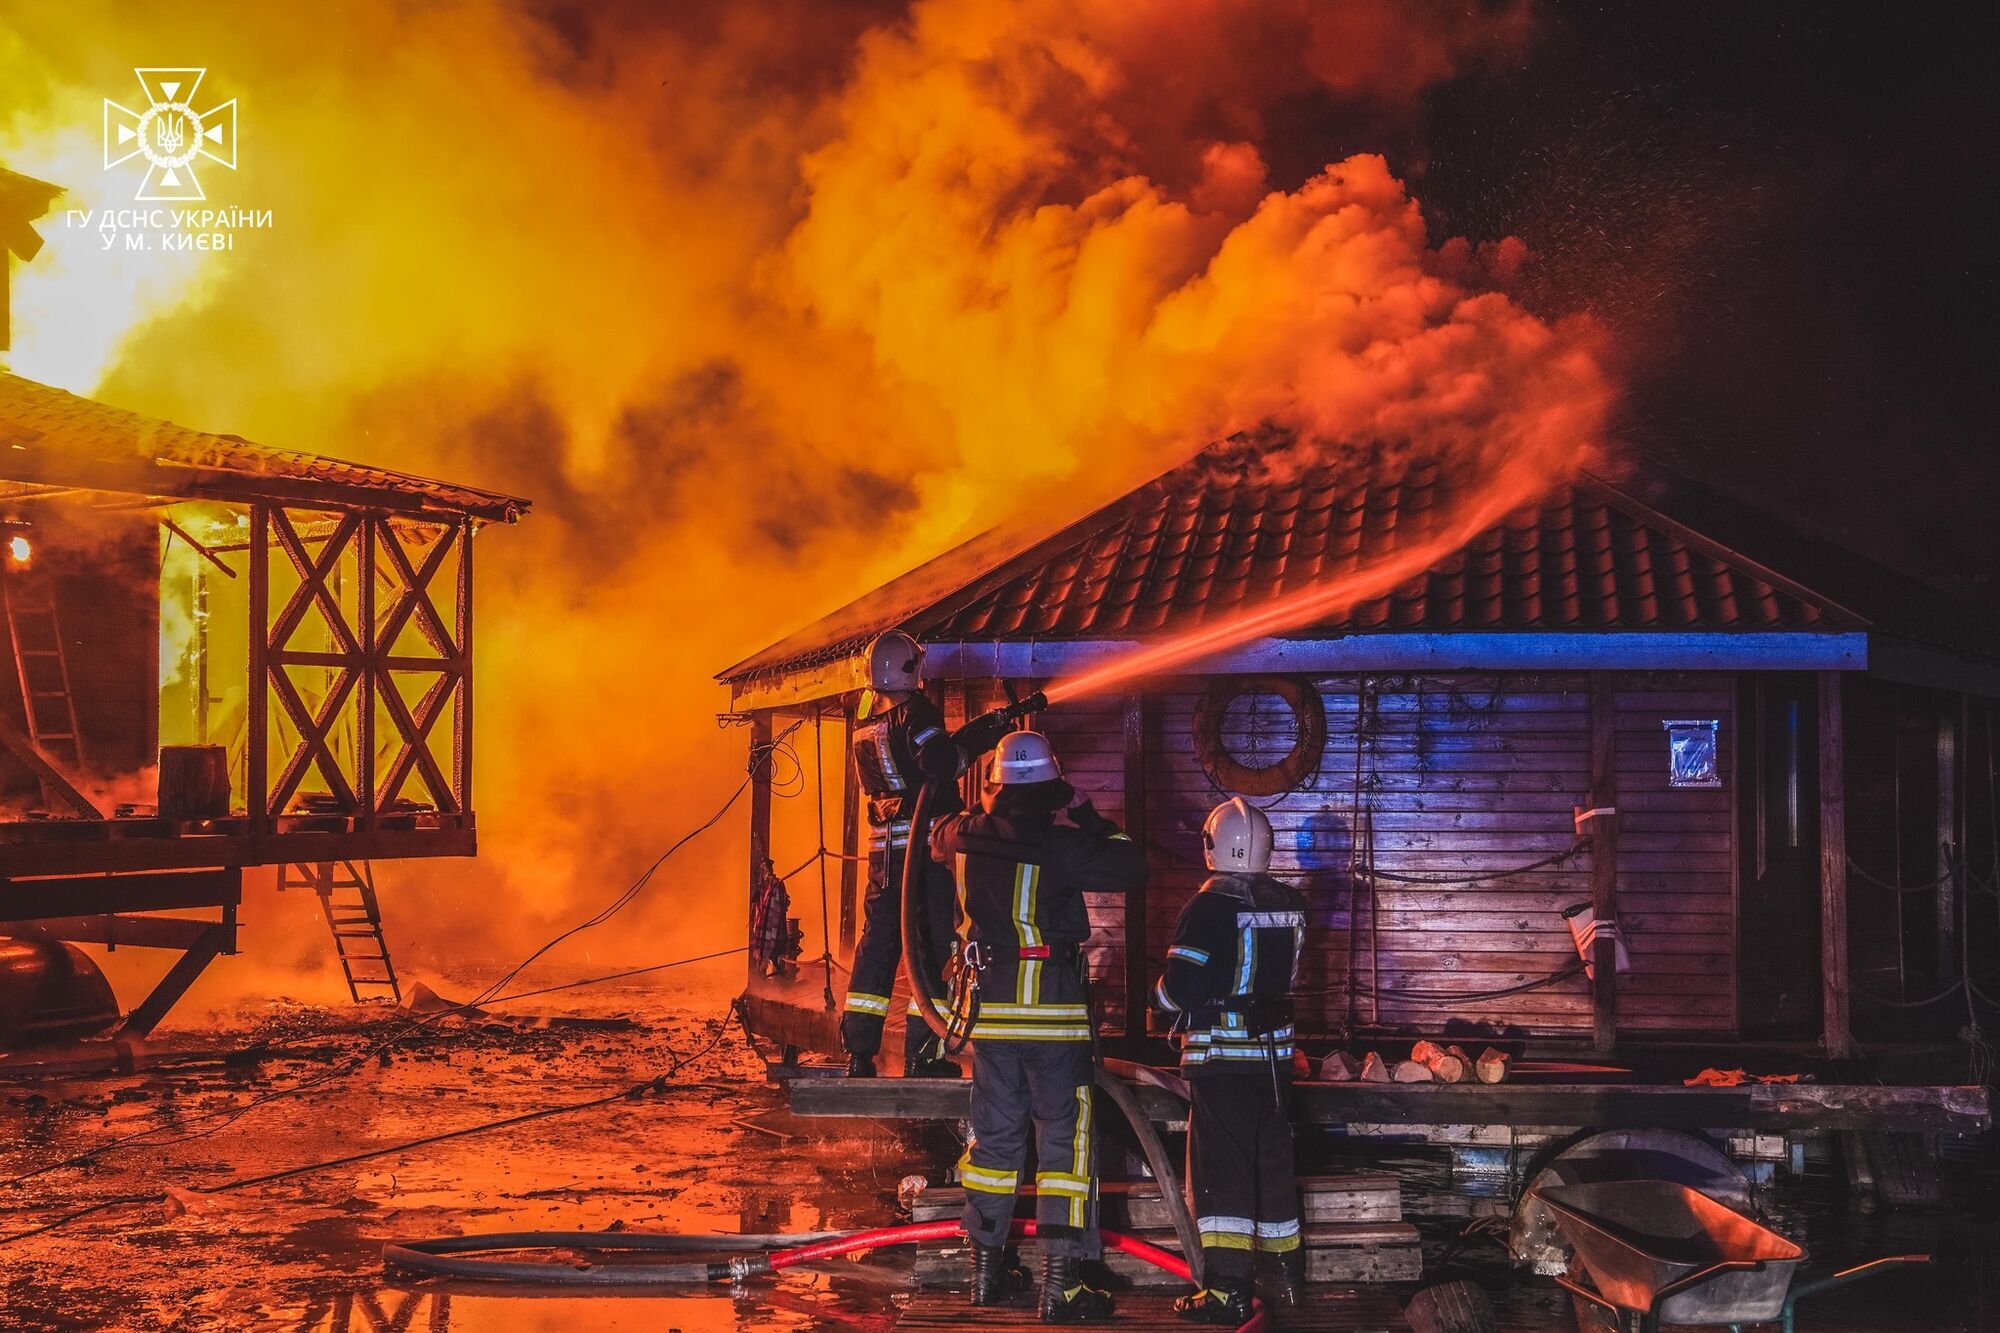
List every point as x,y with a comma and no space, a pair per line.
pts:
764,304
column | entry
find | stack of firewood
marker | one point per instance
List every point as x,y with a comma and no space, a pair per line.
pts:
1428,1063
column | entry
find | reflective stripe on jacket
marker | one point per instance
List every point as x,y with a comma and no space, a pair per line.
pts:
1021,882
1234,956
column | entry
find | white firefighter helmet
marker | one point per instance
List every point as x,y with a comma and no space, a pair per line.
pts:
895,663
1237,837
1023,757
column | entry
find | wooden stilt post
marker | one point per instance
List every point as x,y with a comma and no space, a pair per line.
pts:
1603,831
1836,1034
1137,965
760,808
850,836
1947,839
256,763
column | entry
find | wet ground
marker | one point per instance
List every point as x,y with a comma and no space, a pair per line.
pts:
709,1149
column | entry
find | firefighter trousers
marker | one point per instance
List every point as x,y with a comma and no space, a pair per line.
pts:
879,954
1240,1173
1043,1088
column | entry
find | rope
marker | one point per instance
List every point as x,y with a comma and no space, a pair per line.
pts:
1887,1003
1886,886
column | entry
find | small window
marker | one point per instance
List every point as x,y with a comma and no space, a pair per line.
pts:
1691,760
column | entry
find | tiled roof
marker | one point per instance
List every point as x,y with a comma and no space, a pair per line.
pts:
53,439
1210,540
1228,529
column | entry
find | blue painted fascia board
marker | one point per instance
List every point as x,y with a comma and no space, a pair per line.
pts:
1553,650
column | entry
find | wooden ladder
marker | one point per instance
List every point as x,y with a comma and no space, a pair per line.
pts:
346,892
34,627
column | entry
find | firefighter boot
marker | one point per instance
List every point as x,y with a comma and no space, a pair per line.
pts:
861,1066
1065,1297
1223,1303
996,1278
1288,1289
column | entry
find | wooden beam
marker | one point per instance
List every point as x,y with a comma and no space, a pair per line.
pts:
213,941
850,834
258,700
106,854
1836,1033
120,931
1776,1107
461,722
1137,965
806,1027
97,895
1604,860
372,674
18,743
800,686
760,808
1948,772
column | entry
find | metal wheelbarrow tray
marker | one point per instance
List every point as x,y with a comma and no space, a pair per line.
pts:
1672,1255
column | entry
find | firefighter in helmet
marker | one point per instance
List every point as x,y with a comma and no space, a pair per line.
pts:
1022,877
1228,982
901,744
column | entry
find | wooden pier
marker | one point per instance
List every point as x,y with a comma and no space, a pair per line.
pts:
1767,1108
1325,1310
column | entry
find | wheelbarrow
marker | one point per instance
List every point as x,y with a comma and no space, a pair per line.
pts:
1658,1253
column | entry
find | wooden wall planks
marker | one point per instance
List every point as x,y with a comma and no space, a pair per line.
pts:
1456,776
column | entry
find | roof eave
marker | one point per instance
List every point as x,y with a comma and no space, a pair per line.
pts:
169,484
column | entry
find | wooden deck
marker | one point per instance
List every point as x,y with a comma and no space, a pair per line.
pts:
1767,1108
1326,1310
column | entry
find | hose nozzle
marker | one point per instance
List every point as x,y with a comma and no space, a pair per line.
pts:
1020,708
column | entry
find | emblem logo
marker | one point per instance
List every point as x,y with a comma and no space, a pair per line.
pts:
170,134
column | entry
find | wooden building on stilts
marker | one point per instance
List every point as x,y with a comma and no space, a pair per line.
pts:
1754,772
220,656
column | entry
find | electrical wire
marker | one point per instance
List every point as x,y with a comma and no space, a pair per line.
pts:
658,1085
1448,997
218,1120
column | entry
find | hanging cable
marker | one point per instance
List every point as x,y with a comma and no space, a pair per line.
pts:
216,1121
657,1085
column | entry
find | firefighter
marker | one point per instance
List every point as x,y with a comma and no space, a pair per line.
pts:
1228,981
1021,878
899,745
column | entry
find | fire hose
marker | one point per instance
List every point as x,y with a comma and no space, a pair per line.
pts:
758,1256
918,971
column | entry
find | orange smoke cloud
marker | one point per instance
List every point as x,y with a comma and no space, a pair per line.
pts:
764,304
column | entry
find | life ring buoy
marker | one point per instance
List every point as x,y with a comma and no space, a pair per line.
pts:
1296,768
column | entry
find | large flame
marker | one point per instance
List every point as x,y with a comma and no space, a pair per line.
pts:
763,304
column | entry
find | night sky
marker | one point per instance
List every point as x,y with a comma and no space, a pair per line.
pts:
1776,207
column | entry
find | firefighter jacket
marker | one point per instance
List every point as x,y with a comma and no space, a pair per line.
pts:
897,750
1021,881
890,751
1231,969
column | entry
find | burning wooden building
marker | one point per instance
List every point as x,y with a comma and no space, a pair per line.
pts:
222,656
1762,766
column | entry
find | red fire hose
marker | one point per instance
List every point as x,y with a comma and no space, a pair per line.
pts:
435,1256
